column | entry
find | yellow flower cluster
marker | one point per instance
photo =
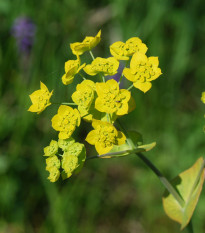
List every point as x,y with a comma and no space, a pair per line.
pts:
96,100
71,161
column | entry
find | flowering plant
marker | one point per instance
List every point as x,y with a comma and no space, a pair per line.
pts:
101,103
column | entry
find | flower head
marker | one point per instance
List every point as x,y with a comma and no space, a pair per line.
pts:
52,166
84,96
72,67
104,136
24,31
111,99
142,71
106,66
73,159
65,121
203,97
122,51
64,144
40,99
87,44
52,149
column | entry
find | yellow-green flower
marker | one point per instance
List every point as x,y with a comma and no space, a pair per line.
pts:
111,99
122,51
64,144
87,44
203,97
52,149
84,96
104,136
106,66
73,159
65,121
40,99
54,174
72,67
52,166
142,71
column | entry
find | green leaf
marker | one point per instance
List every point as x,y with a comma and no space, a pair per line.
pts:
137,146
189,185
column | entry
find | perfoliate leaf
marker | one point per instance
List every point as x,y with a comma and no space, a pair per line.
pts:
126,149
189,185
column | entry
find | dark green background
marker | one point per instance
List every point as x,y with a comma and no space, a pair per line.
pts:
108,196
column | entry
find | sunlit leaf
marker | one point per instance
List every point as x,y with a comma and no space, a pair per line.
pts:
188,185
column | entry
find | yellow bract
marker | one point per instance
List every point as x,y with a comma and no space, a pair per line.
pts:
52,166
51,149
87,44
111,99
66,121
40,99
107,66
203,97
104,136
84,96
142,71
72,67
122,51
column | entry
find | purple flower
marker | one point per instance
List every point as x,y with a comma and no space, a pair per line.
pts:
23,30
117,76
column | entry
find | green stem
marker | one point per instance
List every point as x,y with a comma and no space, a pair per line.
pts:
190,227
65,103
82,76
91,54
163,180
130,87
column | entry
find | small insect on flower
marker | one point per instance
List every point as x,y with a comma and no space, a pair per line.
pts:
40,99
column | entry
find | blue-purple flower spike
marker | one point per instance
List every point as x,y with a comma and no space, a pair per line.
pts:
23,30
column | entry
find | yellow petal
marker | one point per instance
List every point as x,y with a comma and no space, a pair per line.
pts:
143,86
43,86
92,137
122,110
102,150
137,59
128,75
154,61
89,70
64,135
63,109
120,138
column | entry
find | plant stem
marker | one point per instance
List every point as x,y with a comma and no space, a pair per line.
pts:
82,76
91,54
163,180
66,103
190,227
130,87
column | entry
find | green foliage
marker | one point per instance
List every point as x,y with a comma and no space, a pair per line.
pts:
189,185
108,195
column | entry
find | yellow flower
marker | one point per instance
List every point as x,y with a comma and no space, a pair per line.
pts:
52,166
104,136
84,96
142,71
40,99
122,51
73,159
88,43
52,149
203,97
54,174
107,66
65,121
111,99
65,143
72,67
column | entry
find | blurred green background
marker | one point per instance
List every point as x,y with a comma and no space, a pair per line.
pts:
108,196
